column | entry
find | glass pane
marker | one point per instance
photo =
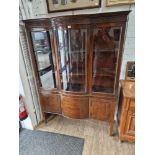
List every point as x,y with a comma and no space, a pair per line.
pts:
72,50
105,51
44,59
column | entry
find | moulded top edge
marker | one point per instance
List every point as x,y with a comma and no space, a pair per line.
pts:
106,14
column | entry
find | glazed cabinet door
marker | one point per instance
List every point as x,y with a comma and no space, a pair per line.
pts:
72,57
45,69
105,51
44,59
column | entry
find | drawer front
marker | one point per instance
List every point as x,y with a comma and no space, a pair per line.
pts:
75,107
51,103
101,109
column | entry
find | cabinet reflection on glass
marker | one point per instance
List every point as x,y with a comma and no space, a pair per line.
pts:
105,52
44,59
72,52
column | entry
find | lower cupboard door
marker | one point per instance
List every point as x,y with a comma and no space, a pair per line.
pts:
130,124
75,107
51,103
101,109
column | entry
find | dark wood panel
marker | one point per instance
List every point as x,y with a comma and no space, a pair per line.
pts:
103,81
51,103
92,18
101,109
37,23
75,107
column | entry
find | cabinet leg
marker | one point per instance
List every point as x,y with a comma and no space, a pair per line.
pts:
120,141
48,117
45,121
111,128
45,117
111,120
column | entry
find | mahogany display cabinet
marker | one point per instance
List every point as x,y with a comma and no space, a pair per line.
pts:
77,60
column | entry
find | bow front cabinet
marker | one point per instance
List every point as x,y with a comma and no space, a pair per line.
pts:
76,60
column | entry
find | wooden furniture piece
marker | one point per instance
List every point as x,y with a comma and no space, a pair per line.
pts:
76,60
126,112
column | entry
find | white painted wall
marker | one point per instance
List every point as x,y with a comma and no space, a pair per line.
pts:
27,90
129,47
21,90
39,10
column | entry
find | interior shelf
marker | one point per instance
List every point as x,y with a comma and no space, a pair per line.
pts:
104,51
77,52
77,74
102,89
103,74
103,83
74,87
